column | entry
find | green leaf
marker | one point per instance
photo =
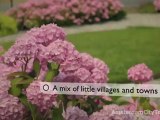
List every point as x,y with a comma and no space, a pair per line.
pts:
72,103
21,83
57,114
52,66
49,76
24,100
115,97
15,91
14,75
53,71
18,84
92,103
119,102
25,83
36,66
143,99
107,102
16,81
65,100
146,106
35,114
144,103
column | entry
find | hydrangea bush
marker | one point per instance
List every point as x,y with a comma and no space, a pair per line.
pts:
140,73
157,5
44,55
65,12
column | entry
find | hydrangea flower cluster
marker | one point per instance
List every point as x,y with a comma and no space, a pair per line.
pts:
21,52
140,73
74,113
64,12
48,44
83,68
58,51
4,86
157,4
6,70
43,101
47,34
10,106
75,66
29,46
107,113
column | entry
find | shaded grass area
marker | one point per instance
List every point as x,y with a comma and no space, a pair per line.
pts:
120,49
146,8
6,44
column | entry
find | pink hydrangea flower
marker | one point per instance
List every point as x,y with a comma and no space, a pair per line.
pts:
82,74
99,64
74,113
71,64
34,42
47,34
98,76
86,60
35,96
108,113
157,4
132,106
4,86
21,52
10,108
85,69
6,70
58,51
143,117
140,73
155,116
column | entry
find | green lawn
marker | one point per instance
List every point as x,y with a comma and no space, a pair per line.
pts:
121,49
145,8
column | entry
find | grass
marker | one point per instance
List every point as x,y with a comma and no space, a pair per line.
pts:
6,44
146,8
120,49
